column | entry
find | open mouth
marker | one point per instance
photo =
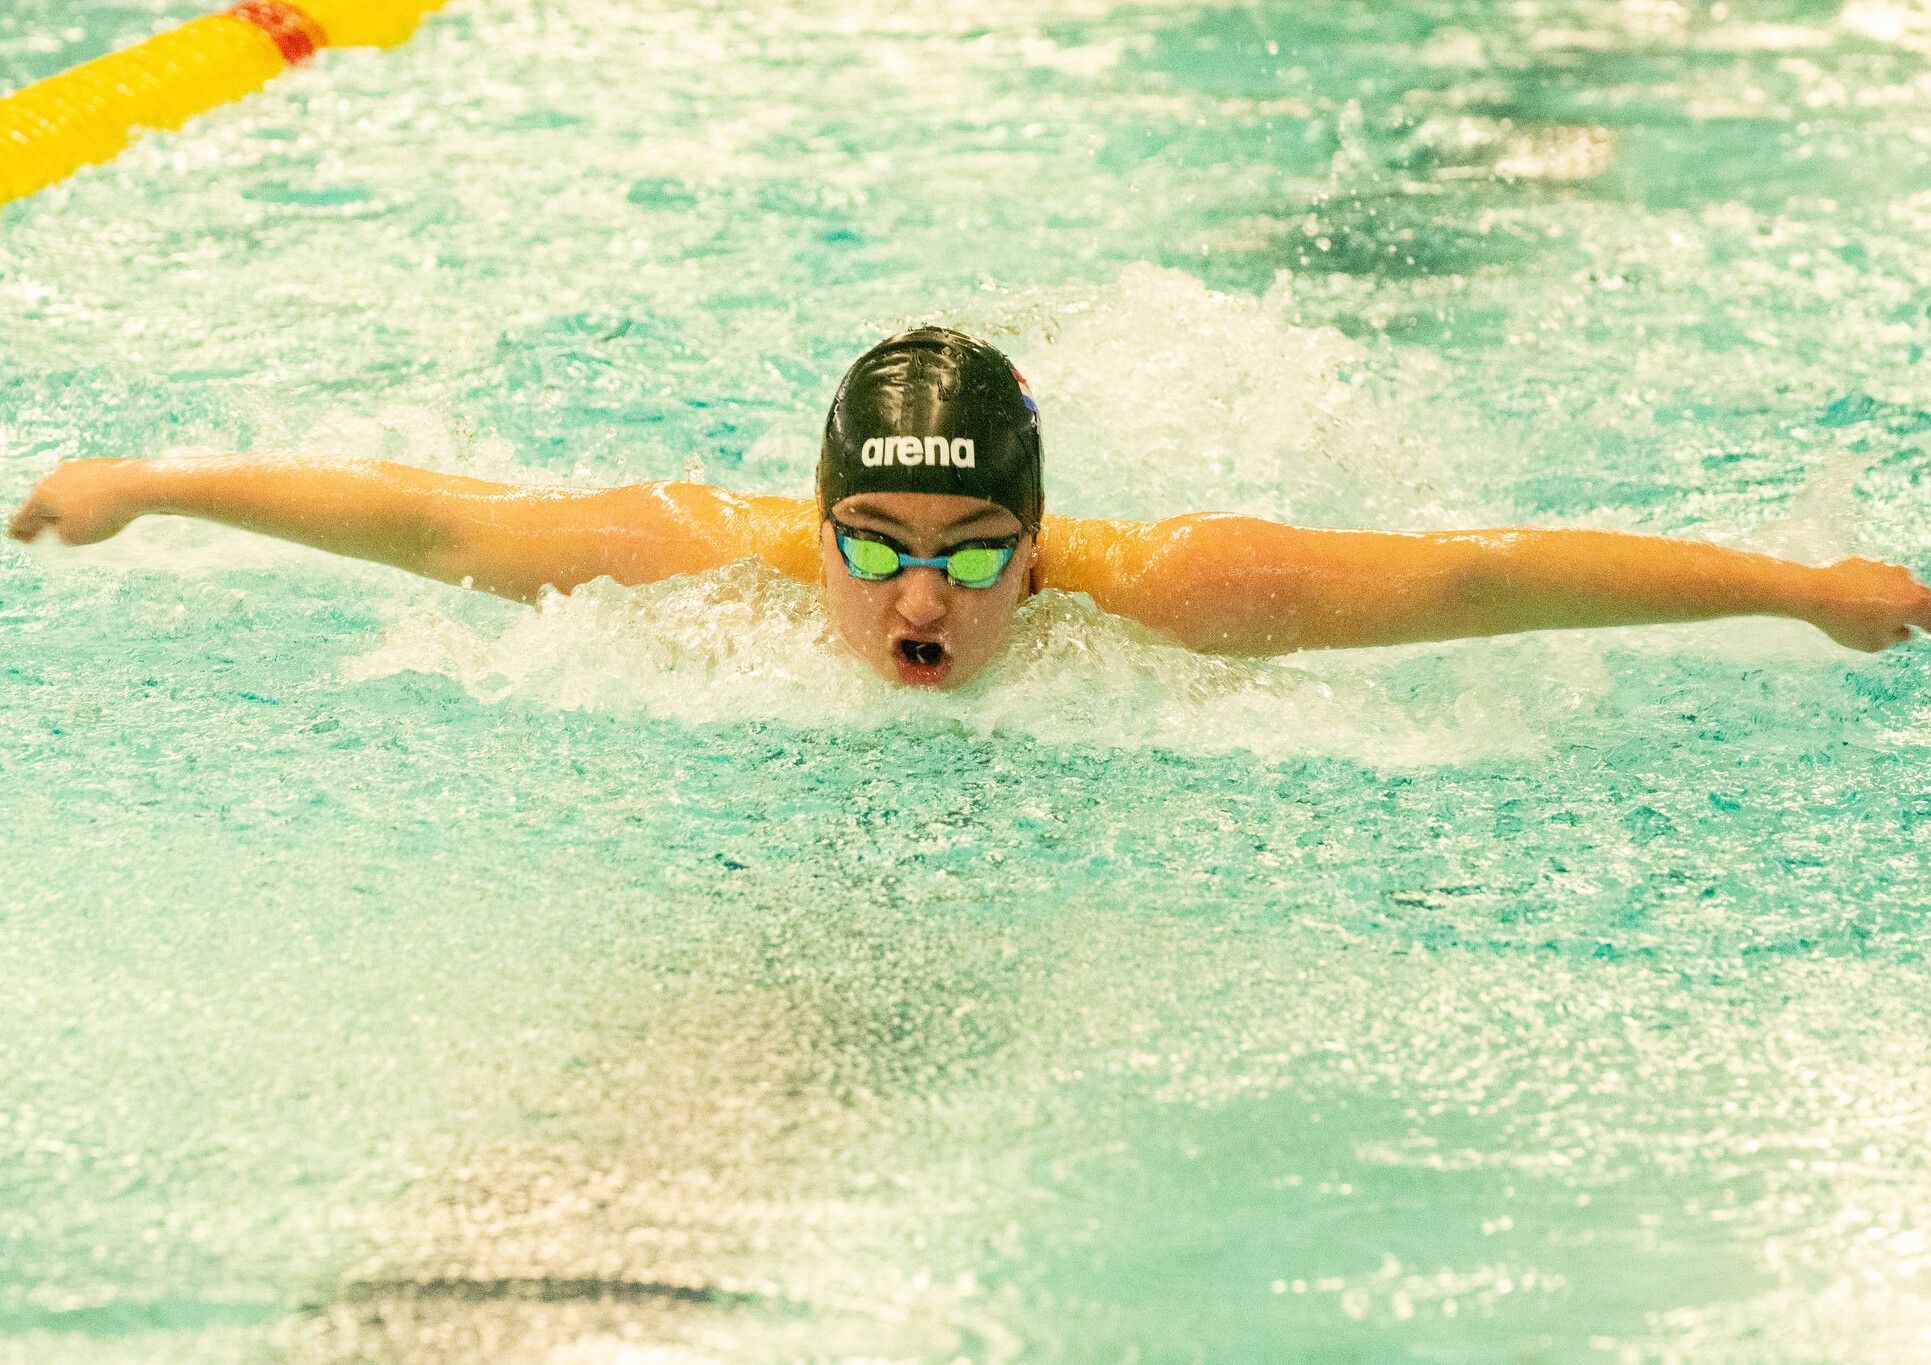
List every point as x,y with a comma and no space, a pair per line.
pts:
922,663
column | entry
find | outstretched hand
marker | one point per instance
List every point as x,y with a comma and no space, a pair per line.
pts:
1870,605
82,501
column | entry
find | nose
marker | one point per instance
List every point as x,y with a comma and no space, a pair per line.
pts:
921,601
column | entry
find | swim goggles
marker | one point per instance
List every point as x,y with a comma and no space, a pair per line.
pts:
871,557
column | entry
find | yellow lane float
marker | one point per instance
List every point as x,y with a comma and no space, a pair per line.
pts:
87,115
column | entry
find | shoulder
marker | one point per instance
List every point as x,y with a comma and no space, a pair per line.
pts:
715,526
1067,551
1195,577
1098,555
783,532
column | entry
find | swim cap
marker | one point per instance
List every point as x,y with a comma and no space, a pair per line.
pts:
934,411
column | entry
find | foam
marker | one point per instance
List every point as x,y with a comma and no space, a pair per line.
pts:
746,644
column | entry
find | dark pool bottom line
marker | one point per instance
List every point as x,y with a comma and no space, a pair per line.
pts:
542,1289
200,1315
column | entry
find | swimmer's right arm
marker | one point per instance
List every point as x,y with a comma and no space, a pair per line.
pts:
509,539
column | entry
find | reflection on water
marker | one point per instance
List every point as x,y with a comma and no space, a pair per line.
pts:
396,974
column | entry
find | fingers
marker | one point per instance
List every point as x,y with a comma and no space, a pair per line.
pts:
1895,592
27,524
1918,613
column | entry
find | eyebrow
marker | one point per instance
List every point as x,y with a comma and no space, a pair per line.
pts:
867,510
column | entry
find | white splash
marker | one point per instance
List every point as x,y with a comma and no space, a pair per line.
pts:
1158,396
745,644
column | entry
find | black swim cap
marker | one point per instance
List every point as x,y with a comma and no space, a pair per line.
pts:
933,411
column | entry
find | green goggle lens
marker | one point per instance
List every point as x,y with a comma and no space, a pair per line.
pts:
976,564
872,557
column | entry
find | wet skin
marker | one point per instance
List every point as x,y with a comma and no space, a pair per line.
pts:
1212,581
886,623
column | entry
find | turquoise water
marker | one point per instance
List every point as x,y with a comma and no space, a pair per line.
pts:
393,974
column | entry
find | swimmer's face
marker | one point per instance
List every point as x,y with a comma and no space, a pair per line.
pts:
919,628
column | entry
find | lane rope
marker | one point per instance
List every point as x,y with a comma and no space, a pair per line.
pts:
88,114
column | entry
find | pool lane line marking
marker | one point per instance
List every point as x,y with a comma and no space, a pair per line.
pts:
89,113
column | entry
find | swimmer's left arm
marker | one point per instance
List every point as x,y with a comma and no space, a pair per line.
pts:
1229,584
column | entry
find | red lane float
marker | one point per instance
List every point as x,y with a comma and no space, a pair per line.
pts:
297,35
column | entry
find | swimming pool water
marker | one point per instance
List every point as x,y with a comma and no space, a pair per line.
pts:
393,974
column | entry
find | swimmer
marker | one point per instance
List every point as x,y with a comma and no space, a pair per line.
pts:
929,529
